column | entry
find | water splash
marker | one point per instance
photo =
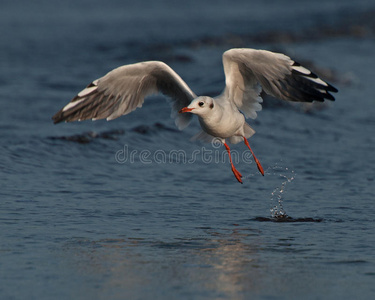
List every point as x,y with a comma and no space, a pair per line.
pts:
277,211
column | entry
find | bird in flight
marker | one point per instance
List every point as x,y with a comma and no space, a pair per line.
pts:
247,73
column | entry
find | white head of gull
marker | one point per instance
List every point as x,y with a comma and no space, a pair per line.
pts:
247,72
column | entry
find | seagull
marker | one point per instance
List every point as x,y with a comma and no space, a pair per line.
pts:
247,73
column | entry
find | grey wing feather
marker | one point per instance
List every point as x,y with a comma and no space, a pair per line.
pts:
247,71
124,89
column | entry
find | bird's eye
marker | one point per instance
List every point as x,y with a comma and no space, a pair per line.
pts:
201,104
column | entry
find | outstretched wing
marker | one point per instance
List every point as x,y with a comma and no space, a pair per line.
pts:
247,71
123,90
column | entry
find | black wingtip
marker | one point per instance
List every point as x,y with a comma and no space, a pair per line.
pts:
332,89
328,96
327,87
57,118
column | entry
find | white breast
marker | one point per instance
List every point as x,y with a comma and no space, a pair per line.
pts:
223,122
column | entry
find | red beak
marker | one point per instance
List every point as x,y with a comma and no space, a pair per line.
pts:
185,109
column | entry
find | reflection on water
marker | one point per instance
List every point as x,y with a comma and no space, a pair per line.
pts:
222,263
235,263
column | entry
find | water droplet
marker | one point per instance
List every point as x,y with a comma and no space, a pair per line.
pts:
277,194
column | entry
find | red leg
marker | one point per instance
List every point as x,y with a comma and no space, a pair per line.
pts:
260,168
234,170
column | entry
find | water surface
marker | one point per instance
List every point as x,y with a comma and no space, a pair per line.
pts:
81,219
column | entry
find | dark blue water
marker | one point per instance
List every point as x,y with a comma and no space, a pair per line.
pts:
131,209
